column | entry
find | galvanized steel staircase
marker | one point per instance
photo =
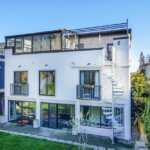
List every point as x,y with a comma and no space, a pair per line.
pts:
117,93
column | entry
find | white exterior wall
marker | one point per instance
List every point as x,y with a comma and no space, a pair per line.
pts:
67,66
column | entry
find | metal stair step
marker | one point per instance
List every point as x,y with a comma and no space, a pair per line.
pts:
108,113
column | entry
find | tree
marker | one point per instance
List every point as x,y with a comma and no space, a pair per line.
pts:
141,61
139,89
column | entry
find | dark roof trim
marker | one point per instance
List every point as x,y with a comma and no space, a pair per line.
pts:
36,33
55,51
106,33
121,38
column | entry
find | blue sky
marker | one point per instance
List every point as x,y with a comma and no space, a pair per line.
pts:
25,16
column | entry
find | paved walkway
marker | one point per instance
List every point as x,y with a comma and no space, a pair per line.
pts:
61,136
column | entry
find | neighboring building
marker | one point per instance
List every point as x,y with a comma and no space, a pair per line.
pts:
2,61
60,75
146,68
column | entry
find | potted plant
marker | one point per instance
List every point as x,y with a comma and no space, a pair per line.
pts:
35,123
87,86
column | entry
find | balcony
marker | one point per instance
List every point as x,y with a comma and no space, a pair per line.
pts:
19,89
88,92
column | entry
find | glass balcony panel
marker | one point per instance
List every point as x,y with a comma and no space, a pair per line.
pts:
88,92
19,89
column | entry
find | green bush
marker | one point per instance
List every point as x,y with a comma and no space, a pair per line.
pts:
146,117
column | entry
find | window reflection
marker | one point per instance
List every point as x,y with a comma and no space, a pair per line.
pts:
55,42
19,45
11,42
45,42
27,44
70,42
47,83
37,43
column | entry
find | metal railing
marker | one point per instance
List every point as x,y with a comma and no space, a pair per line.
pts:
88,92
19,89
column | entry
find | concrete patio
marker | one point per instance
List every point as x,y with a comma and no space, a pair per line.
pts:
62,136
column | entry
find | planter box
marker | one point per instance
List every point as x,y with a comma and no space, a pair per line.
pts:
3,119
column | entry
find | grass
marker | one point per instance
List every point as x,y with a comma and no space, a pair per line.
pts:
15,142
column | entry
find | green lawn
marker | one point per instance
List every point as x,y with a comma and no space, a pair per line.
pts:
15,142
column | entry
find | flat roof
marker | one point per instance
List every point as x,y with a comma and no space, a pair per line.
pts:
121,28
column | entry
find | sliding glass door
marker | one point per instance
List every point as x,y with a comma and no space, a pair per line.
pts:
57,115
53,116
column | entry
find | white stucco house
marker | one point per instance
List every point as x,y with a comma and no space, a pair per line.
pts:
81,74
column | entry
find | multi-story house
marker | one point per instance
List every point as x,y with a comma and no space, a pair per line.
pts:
80,74
2,58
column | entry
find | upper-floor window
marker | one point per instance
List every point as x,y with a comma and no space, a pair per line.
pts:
21,77
41,42
55,42
20,85
23,44
47,83
89,77
70,42
109,52
10,42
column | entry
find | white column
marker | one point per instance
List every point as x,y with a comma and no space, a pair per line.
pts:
38,110
127,122
77,113
6,109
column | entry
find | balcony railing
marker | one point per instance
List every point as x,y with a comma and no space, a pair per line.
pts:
19,89
88,92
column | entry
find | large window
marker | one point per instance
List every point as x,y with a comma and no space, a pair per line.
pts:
28,44
23,44
22,112
55,42
89,77
41,42
47,83
10,42
21,77
95,117
20,86
19,45
70,42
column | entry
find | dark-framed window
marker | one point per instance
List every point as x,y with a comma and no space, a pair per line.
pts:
47,83
23,44
23,112
109,52
90,77
95,117
41,42
21,77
